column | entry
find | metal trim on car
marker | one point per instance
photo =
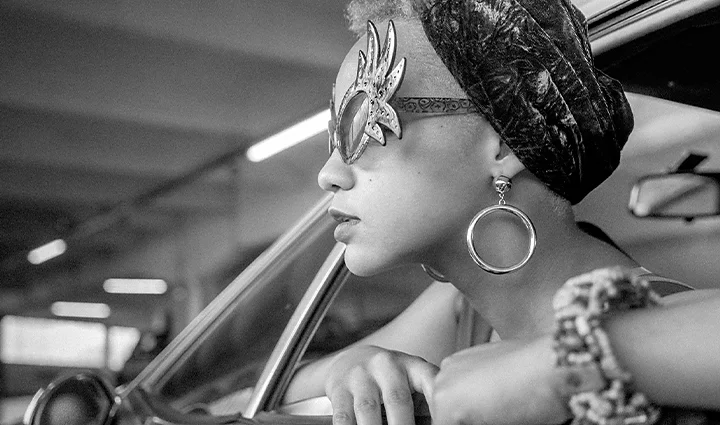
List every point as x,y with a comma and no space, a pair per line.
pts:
598,10
304,321
622,26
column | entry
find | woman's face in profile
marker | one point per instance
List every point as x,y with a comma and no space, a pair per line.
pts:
402,202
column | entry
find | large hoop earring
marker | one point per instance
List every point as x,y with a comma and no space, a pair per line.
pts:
502,185
436,275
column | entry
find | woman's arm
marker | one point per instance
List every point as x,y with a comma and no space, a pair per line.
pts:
426,329
672,352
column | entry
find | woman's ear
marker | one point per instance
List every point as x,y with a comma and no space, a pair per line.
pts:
508,164
499,156
505,162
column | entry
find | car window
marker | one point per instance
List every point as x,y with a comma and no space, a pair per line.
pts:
672,84
217,375
671,64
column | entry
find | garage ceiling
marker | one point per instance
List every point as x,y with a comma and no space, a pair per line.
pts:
118,117
122,121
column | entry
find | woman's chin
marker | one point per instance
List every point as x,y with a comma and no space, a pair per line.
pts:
360,269
363,265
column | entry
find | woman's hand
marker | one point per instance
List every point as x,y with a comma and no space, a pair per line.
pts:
509,382
363,378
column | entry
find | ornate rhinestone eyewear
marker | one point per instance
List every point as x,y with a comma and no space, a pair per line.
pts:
369,103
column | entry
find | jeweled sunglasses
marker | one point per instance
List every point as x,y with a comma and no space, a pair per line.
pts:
369,102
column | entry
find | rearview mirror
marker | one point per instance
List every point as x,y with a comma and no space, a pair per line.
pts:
676,195
82,399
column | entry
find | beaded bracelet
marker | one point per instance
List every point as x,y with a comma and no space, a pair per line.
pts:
600,391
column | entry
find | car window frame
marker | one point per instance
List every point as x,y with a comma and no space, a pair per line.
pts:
295,338
139,392
631,20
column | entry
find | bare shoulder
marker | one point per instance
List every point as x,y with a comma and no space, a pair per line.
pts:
438,300
443,291
426,328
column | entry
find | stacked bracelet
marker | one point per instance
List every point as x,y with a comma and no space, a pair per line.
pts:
600,390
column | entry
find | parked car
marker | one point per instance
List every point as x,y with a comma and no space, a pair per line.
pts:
297,301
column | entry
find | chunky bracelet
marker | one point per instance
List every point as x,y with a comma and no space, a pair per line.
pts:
600,391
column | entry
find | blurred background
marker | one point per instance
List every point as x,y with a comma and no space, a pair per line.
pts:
123,131
129,197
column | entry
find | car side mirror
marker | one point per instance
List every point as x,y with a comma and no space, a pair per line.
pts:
82,399
685,195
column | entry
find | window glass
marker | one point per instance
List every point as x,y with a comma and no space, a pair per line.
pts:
219,376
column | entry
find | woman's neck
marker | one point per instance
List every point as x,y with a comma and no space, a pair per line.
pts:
519,304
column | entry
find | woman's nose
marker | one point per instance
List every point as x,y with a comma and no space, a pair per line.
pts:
335,174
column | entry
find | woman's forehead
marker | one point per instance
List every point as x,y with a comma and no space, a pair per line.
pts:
425,74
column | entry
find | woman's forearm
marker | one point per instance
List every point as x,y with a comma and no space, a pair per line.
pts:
673,351
427,328
308,381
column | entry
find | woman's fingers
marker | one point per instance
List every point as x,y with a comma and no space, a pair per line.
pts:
343,409
368,378
421,375
367,408
355,398
391,375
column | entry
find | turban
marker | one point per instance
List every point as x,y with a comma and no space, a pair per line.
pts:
527,66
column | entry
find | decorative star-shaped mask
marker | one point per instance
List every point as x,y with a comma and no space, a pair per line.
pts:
366,102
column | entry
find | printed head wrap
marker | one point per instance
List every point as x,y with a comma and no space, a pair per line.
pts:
527,66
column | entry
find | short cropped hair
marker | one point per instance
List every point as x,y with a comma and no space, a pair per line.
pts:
358,12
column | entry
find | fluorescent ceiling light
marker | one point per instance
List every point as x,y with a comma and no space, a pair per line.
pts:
74,309
46,252
289,137
135,286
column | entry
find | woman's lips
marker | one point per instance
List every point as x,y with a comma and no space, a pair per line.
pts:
342,217
345,224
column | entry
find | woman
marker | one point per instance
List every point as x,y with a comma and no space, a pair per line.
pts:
469,105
